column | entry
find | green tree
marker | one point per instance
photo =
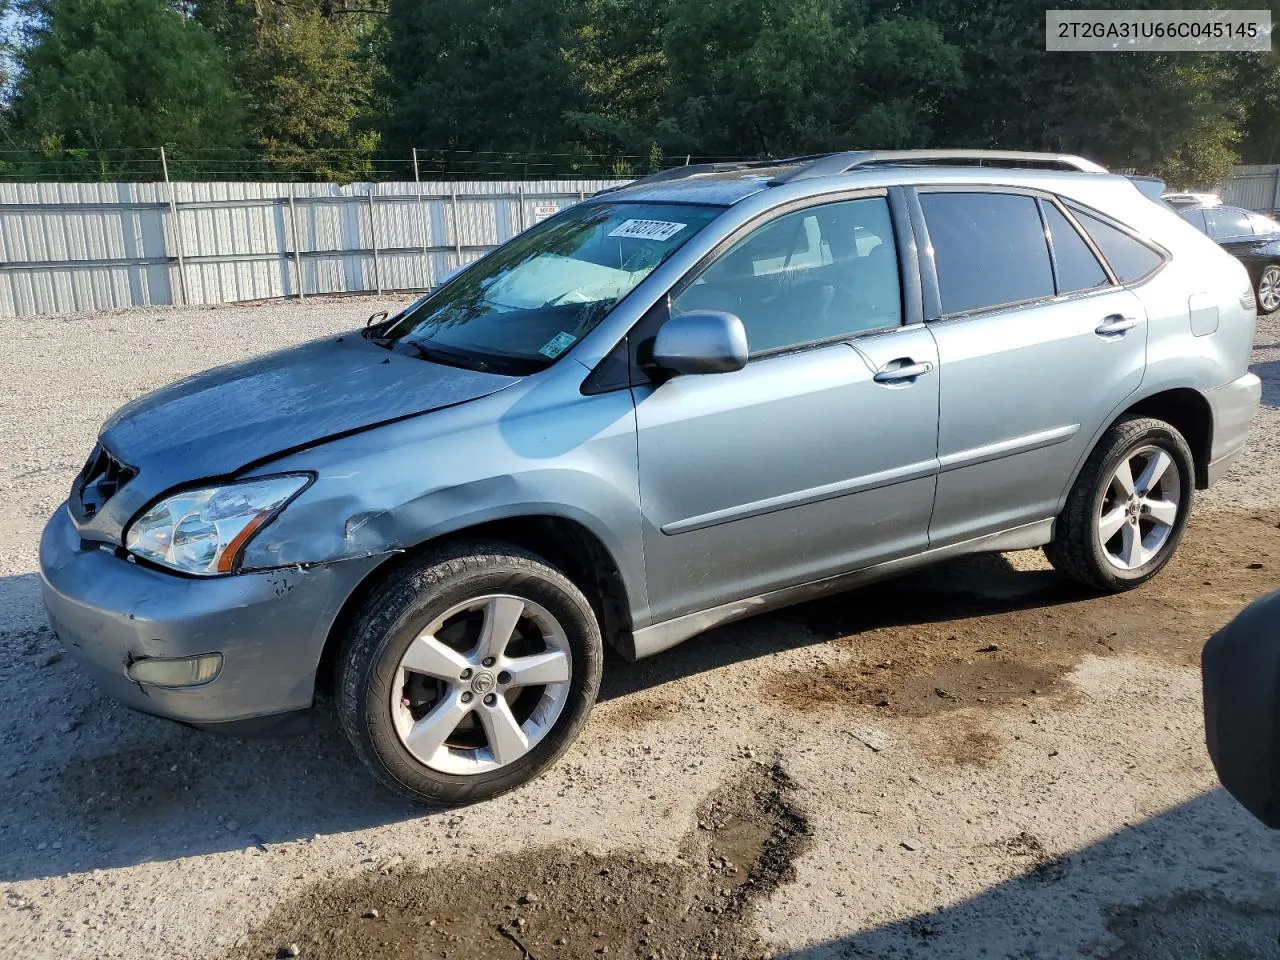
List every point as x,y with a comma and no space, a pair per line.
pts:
620,68
775,77
1171,114
466,77
101,76
306,71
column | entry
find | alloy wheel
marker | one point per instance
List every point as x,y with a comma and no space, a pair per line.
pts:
1269,290
1140,508
481,685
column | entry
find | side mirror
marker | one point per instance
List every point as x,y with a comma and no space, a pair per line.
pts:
704,341
1240,666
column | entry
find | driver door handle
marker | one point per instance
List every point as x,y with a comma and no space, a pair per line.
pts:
904,371
1115,325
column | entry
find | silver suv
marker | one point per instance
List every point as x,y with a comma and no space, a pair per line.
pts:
711,392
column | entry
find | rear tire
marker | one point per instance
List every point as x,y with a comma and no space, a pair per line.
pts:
468,672
1268,289
1128,509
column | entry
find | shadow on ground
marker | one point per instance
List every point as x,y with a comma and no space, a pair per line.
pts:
1200,881
90,784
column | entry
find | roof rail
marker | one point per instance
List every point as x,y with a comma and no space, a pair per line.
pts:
836,163
693,169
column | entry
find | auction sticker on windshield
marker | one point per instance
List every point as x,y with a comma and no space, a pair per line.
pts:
648,229
557,345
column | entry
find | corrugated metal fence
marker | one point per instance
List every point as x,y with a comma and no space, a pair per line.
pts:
68,247
1253,187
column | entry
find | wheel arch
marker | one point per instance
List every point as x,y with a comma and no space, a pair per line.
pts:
1184,408
566,543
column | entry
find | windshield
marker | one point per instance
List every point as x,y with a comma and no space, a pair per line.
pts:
532,299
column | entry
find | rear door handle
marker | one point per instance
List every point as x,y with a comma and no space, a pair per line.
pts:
1115,325
908,370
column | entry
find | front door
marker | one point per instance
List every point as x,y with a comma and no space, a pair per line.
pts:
818,456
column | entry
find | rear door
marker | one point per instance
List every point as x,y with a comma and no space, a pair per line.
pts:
1037,343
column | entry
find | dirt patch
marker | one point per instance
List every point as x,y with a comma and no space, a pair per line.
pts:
965,743
1195,926
634,711
562,903
983,630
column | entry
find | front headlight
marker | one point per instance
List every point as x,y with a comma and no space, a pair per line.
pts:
203,531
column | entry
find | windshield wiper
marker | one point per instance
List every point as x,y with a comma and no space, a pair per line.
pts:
415,348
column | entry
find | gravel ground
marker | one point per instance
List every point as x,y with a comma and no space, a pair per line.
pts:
977,760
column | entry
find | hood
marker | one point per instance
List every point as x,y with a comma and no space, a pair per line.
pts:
219,421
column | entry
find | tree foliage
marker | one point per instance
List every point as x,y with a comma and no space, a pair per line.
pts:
327,87
112,75
468,76
305,71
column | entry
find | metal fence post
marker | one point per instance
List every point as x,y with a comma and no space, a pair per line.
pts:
520,200
1275,192
421,227
177,229
457,225
297,246
373,239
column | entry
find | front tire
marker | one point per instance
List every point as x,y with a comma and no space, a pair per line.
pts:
1128,509
469,672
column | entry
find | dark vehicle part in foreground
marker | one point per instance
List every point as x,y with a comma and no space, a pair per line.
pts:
1241,669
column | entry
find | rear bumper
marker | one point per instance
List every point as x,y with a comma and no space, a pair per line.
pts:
1233,406
270,628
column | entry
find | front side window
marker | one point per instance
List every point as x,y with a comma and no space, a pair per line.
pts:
814,274
989,249
1130,259
532,299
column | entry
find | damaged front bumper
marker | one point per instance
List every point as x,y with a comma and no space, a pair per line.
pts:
269,627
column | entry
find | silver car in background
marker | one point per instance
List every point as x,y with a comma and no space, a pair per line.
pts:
711,392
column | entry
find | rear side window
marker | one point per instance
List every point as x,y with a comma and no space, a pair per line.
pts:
989,248
1263,225
1078,268
1130,259
1229,222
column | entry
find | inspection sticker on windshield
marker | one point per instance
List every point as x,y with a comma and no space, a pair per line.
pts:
648,229
557,345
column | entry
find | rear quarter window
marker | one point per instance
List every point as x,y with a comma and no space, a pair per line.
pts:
1130,258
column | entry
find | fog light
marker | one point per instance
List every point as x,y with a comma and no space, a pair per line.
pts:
182,672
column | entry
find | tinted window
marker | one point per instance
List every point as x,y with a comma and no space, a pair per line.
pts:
1263,225
1196,219
1229,222
815,274
1130,259
1078,268
989,247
